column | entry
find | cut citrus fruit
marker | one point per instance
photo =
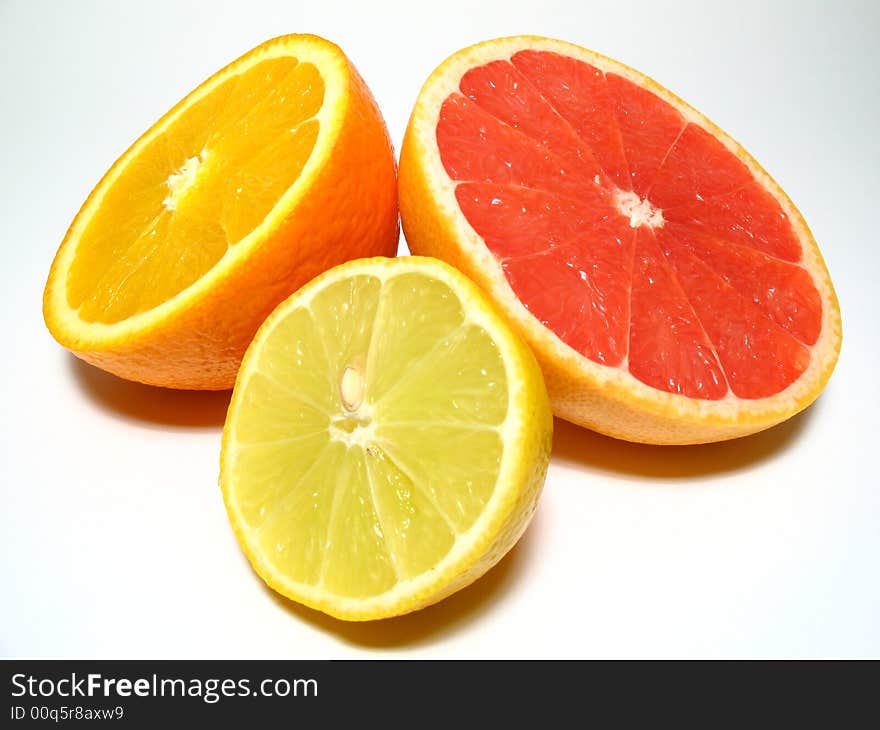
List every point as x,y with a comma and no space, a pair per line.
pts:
273,170
387,439
670,289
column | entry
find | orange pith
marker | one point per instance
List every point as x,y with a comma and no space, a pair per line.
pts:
671,290
275,169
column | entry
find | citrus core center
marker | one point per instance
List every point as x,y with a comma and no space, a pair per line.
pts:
182,180
639,211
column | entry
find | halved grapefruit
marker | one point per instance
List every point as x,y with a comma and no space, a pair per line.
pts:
670,289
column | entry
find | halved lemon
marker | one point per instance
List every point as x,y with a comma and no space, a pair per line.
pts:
387,439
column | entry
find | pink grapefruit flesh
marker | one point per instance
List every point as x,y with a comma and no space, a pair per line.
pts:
637,237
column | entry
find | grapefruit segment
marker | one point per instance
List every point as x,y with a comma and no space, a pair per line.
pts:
517,221
512,159
582,293
749,216
671,290
565,84
649,127
781,290
668,346
759,357
697,167
502,91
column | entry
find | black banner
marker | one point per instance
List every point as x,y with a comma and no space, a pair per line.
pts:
391,693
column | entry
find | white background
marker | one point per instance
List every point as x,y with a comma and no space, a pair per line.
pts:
115,542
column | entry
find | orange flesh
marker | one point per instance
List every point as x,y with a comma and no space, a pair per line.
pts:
196,190
639,239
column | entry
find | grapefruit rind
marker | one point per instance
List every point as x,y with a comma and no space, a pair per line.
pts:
606,399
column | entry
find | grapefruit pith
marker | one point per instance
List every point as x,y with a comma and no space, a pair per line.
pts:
670,289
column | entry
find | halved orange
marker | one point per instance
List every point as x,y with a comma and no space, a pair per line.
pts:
275,169
670,289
